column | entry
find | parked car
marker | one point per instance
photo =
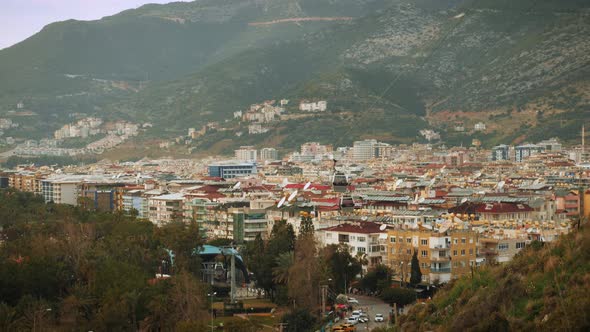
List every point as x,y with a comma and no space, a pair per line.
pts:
379,318
352,300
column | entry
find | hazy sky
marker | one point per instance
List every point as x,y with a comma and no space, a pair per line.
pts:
20,19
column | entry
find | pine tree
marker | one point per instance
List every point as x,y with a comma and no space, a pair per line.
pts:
416,276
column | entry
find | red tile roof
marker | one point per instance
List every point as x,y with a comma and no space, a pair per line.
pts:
363,227
300,186
502,208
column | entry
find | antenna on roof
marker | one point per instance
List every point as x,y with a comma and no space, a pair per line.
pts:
383,227
293,194
500,185
237,185
307,185
397,184
281,202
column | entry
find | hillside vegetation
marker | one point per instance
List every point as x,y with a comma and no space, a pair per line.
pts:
545,288
386,68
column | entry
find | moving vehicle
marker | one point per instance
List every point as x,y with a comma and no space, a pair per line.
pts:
352,320
379,318
348,327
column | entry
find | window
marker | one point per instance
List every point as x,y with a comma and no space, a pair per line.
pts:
470,240
328,235
442,254
361,239
462,252
392,239
455,241
470,252
454,252
352,238
424,265
393,250
463,264
361,249
424,242
343,238
520,245
463,240
409,251
409,240
503,246
424,253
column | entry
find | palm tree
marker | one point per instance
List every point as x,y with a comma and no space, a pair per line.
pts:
281,271
362,259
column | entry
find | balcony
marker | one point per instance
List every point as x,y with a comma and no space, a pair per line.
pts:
441,246
441,270
440,258
488,251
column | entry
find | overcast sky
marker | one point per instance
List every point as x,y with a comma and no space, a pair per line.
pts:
20,19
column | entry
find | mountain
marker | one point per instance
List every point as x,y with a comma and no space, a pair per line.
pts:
386,68
545,288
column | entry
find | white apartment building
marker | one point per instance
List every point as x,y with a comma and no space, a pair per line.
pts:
269,154
319,106
246,153
165,208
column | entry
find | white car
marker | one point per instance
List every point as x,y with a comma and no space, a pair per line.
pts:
352,300
378,318
352,320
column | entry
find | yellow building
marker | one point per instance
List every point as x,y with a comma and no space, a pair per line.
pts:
25,181
442,256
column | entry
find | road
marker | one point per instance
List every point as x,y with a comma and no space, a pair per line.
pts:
371,306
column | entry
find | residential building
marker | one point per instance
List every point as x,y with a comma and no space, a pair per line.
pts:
524,151
133,200
500,152
60,190
165,208
249,223
364,150
268,154
246,153
361,237
442,256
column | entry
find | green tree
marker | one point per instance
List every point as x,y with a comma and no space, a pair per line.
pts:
281,270
377,279
416,274
401,296
183,239
299,320
342,265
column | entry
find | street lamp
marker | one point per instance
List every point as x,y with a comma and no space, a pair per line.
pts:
211,295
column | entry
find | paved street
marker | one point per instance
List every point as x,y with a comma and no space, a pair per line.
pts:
371,306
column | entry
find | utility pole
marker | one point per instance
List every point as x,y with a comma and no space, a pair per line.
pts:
324,290
233,278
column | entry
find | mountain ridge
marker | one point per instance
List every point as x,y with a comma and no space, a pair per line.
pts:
406,60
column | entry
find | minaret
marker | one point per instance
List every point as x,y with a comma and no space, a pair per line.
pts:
583,144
